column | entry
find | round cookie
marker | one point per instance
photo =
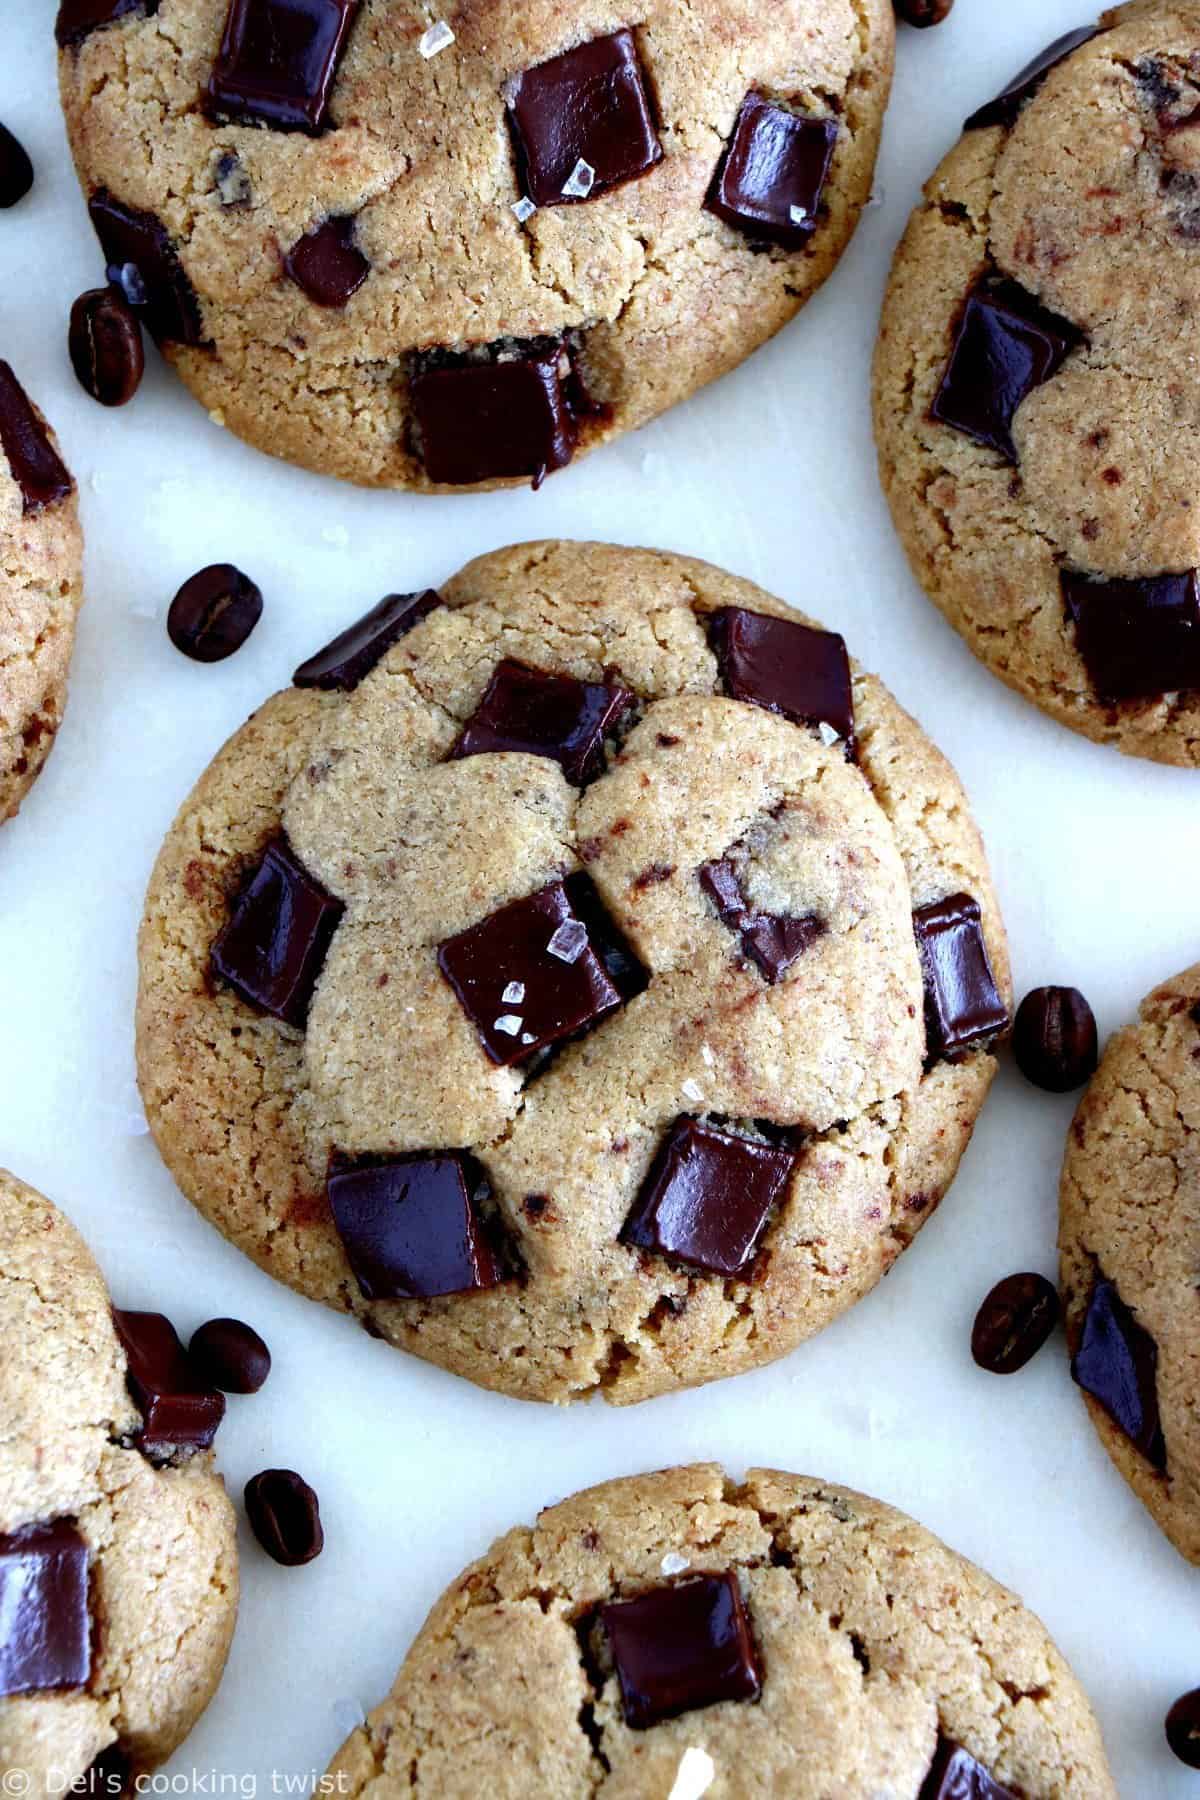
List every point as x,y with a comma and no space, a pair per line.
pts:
555,1010
1036,398
118,1558
345,262
41,588
1129,1218
778,1636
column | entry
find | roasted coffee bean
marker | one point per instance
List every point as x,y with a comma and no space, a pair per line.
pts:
285,1515
1013,1323
923,13
1054,1039
16,170
1182,1726
231,1356
105,344
214,613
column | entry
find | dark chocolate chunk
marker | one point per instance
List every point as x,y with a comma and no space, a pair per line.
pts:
955,1775
411,1227
328,264
1013,1323
36,466
1138,638
108,1777
273,948
278,61
1182,1725
45,1630
545,715
1009,101
682,1647
214,613
707,1197
962,1004
351,655
773,941
105,346
787,667
1117,1364
179,1410
587,107
923,13
606,937
143,263
77,19
1054,1039
230,1355
285,1516
1005,345
495,420
16,170
527,975
768,183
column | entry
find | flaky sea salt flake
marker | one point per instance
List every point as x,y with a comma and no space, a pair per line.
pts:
524,209
826,733
798,215
696,1773
508,1023
674,1564
708,1053
692,1089
439,37
580,181
569,940
514,993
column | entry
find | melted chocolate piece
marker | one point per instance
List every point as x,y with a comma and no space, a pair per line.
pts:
178,1410
680,1648
955,1775
328,264
36,466
273,948
285,1516
545,715
344,662
510,949
143,263
1004,108
773,941
496,421
787,667
1005,345
46,1635
410,1226
77,19
769,181
1138,638
707,1197
278,61
962,1004
1117,1364
589,105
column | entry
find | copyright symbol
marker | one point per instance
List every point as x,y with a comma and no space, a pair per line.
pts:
14,1781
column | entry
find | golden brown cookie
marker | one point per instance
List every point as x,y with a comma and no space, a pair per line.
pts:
445,252
540,992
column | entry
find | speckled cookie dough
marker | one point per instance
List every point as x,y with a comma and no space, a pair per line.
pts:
439,253
658,1039
1037,396
118,1567
779,1636
1129,1220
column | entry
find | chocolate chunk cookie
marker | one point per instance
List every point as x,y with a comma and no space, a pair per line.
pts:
1129,1202
557,989
118,1560
1037,403
41,588
666,1633
460,253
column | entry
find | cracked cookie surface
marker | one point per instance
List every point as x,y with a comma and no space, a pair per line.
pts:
1053,554
874,1642
160,1538
254,1115
414,174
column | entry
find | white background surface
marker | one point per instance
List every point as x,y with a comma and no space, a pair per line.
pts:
770,473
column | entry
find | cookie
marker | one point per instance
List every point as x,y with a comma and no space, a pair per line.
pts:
459,253
539,979
41,588
1129,1206
681,1633
118,1560
1036,402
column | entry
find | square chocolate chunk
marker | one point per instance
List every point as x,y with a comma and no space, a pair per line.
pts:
351,656
278,61
787,667
773,941
582,122
545,715
707,1197
1139,638
45,1629
1007,104
179,1411
680,1648
143,263
1117,1364
505,420
955,1775
273,949
525,978
410,1227
36,466
328,264
962,1004
1005,345
769,181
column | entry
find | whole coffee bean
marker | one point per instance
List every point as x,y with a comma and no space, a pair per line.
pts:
230,1356
1182,1726
285,1515
1013,1323
214,613
16,170
105,345
1054,1039
923,13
